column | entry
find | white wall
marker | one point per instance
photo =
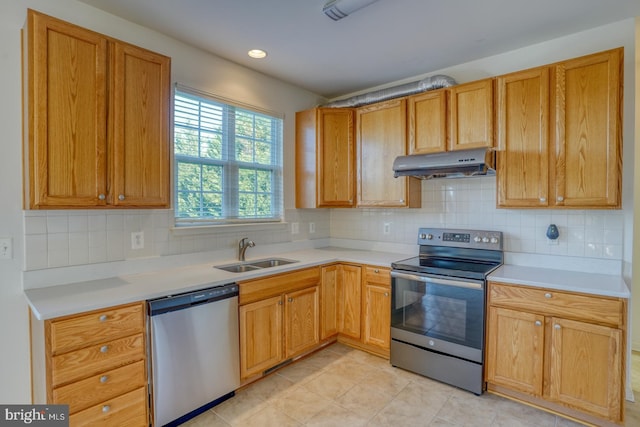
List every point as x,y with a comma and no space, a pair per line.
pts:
190,67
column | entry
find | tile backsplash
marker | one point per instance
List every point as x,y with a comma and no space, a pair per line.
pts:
80,237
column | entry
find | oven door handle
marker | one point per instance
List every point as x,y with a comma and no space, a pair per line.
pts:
446,282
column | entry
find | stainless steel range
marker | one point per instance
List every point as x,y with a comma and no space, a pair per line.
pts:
438,305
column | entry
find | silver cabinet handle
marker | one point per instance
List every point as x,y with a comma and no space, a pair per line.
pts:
538,323
376,271
104,379
543,199
103,318
547,295
560,198
121,197
401,200
557,326
280,302
386,294
104,349
290,299
101,196
106,408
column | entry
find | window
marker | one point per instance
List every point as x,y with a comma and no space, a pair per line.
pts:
228,161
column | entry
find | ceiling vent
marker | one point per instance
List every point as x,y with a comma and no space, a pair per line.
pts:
338,9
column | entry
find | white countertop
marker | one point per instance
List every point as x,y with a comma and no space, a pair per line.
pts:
563,280
61,300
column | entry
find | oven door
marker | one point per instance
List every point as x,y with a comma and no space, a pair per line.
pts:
438,313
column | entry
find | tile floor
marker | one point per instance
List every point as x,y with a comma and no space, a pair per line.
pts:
343,387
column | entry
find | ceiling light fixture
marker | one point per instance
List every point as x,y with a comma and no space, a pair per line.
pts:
257,53
338,9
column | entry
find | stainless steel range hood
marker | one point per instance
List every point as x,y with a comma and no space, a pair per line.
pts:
450,164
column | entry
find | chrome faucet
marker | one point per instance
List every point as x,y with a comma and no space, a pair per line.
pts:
242,247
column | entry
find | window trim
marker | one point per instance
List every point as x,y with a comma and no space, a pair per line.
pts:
277,170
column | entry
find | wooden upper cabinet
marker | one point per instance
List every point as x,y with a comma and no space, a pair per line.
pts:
471,115
428,122
325,158
523,139
66,112
140,127
96,119
587,97
381,137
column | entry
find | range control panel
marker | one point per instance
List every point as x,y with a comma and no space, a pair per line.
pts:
460,238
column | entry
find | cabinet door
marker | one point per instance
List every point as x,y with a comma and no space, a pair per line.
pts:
428,122
260,335
588,117
329,301
471,117
67,113
140,127
523,139
585,367
301,321
515,350
349,300
377,315
382,137
336,160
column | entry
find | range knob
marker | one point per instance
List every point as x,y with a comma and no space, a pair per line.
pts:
429,236
423,236
494,240
485,240
477,239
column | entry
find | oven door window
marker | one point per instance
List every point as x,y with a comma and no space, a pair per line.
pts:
449,310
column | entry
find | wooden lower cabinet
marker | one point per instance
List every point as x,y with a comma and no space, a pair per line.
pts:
377,308
95,362
279,319
562,351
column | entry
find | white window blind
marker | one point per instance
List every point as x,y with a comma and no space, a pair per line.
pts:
228,161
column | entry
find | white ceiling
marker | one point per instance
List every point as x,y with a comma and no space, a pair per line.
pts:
386,41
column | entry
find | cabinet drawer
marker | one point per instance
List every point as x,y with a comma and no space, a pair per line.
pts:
98,388
129,409
98,358
97,326
550,302
380,275
259,289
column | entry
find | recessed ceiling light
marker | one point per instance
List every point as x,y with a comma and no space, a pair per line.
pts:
257,53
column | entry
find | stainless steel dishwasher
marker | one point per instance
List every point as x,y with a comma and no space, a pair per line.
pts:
194,352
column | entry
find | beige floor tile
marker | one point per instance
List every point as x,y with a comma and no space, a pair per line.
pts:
330,385
300,372
431,399
364,400
336,416
206,419
342,349
511,413
239,407
323,359
386,382
300,403
269,416
351,369
270,387
466,409
401,413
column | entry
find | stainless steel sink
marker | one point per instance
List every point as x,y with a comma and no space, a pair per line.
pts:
241,267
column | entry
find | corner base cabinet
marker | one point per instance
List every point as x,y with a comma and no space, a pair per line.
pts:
96,363
558,350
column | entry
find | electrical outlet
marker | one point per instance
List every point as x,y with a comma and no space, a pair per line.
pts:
137,240
6,250
295,228
386,228
312,227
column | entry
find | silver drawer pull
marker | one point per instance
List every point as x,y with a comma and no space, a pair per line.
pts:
290,300
557,326
560,198
376,271
104,379
104,349
121,197
386,294
106,408
538,323
547,295
101,196
543,199
103,318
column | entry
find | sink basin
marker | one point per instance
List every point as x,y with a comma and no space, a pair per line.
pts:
273,262
241,267
237,268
